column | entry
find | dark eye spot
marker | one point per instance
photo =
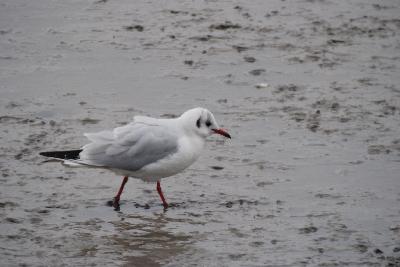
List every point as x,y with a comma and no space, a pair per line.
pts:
208,123
198,123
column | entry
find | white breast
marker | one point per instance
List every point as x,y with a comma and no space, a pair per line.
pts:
188,152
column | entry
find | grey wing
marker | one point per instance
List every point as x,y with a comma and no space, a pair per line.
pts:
130,147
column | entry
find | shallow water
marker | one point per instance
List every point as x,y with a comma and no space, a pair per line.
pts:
308,90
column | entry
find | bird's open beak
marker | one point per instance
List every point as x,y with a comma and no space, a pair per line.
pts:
221,132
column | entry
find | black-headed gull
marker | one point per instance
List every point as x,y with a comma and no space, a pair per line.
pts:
147,148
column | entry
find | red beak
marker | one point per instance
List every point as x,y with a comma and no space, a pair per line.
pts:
221,132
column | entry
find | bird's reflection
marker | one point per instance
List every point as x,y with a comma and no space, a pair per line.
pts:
146,240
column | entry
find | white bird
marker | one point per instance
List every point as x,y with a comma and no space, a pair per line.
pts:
147,148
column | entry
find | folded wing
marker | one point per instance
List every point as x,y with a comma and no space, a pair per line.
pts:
130,147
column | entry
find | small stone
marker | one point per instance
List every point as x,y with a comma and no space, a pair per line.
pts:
335,106
43,211
239,48
224,26
138,28
257,72
249,59
262,85
218,168
308,230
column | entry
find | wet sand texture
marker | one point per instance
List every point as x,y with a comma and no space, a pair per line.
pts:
308,89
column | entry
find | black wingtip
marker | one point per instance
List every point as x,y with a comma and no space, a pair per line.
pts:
69,154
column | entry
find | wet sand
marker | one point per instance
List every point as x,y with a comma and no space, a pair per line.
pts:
309,91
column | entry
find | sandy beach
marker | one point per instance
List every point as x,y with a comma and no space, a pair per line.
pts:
309,90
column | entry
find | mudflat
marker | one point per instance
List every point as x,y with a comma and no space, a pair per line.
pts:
309,91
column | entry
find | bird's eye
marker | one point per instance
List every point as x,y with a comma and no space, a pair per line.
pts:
208,123
198,123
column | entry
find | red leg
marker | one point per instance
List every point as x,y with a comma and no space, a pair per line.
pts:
117,197
161,195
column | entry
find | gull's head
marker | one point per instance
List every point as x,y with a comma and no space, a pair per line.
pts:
201,121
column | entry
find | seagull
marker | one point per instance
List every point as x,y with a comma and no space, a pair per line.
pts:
146,148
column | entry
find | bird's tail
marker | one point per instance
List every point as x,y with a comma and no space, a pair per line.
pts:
63,155
68,158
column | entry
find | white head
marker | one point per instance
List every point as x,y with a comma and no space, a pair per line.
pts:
201,121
